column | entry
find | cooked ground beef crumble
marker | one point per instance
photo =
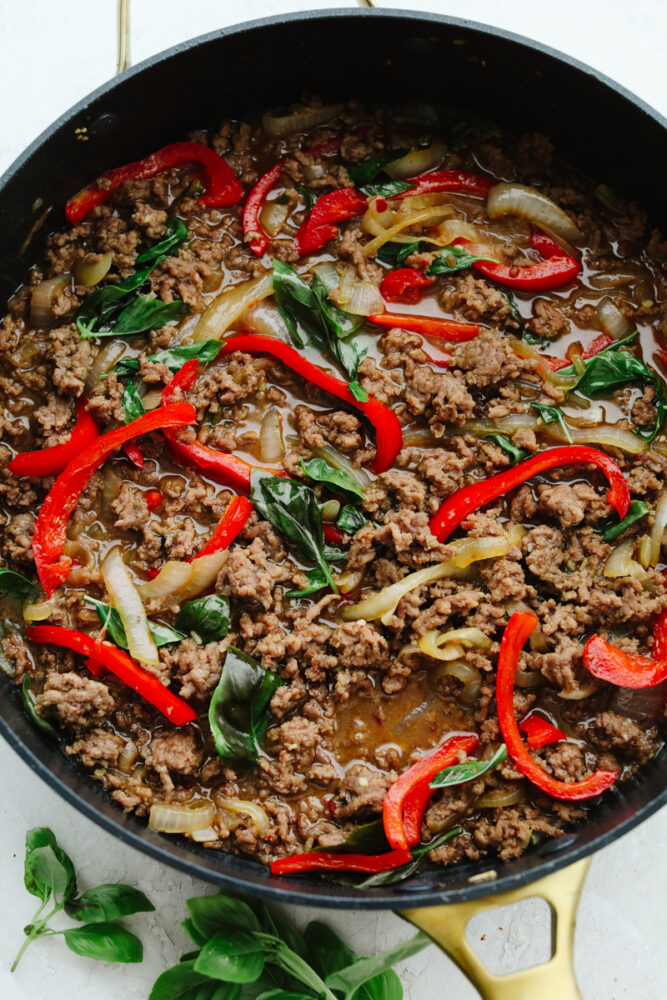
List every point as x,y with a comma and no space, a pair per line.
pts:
359,700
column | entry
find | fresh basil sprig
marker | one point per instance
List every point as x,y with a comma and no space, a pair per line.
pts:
162,634
49,875
205,618
176,234
364,173
338,480
451,259
470,770
610,527
550,415
16,585
238,713
503,441
173,357
292,509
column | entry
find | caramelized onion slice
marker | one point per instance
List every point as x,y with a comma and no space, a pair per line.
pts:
242,807
498,799
177,818
230,305
620,562
417,161
612,319
42,299
658,530
91,274
278,126
127,602
179,581
532,205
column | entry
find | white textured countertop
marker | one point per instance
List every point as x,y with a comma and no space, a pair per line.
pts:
51,55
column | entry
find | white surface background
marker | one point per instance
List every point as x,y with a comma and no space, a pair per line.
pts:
51,55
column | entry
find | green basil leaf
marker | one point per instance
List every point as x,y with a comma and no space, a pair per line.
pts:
610,370
196,936
550,415
234,957
105,942
162,634
451,259
132,404
181,982
358,391
211,914
284,995
396,254
506,443
515,314
176,234
327,952
238,713
350,520
108,902
349,980
298,968
307,196
292,509
386,986
386,189
337,479
397,874
616,345
173,357
458,774
16,585
37,837
143,314
369,838
364,173
28,699
125,367
99,308
611,527
318,581
207,617
296,304
48,869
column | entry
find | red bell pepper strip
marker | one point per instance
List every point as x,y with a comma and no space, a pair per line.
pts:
49,539
256,238
222,186
599,344
539,732
457,181
220,466
389,437
332,534
330,861
404,285
557,269
51,461
659,651
519,627
96,669
428,326
456,507
117,662
134,453
319,227
231,524
406,800
614,665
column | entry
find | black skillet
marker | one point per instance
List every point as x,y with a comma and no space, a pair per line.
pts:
380,56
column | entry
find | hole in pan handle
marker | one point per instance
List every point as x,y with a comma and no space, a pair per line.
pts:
553,980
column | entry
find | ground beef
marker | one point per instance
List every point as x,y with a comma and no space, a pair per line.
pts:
548,321
131,508
475,300
71,357
626,738
340,429
98,748
488,359
76,701
175,752
16,541
249,574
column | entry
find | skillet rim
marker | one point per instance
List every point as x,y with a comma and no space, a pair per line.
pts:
231,873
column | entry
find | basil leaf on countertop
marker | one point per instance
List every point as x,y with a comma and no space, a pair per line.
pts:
292,509
396,254
28,699
211,914
105,942
108,902
367,171
458,774
206,618
550,415
48,869
328,953
233,956
503,441
176,233
238,713
173,357
351,978
335,479
132,404
318,581
162,634
181,982
610,527
16,585
451,259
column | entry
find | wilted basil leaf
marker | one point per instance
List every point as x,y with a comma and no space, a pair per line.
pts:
386,189
550,415
451,259
307,196
611,527
205,617
396,254
28,699
609,371
318,581
337,479
458,774
132,404
105,942
506,443
16,585
358,391
176,233
162,634
351,520
173,357
614,346
364,173
238,713
143,314
114,310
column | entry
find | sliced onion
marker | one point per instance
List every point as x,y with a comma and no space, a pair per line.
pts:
340,461
419,437
41,300
364,299
244,807
430,644
612,319
330,510
205,836
454,229
271,446
128,757
469,676
468,636
529,679
176,818
105,359
604,434
498,799
658,529
90,274
230,304
127,602
417,161
579,693
524,350
277,126
41,610
349,580
530,204
179,581
620,562
85,557
265,319
394,232
272,217
645,549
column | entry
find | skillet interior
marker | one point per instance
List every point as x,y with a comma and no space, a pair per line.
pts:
596,126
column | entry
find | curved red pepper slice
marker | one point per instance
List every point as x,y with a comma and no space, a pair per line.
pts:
257,239
539,732
428,326
614,665
220,466
117,662
406,284
468,499
330,861
49,539
406,800
319,227
599,344
519,627
660,636
134,453
231,524
457,181
222,186
51,461
557,269
332,534
389,437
